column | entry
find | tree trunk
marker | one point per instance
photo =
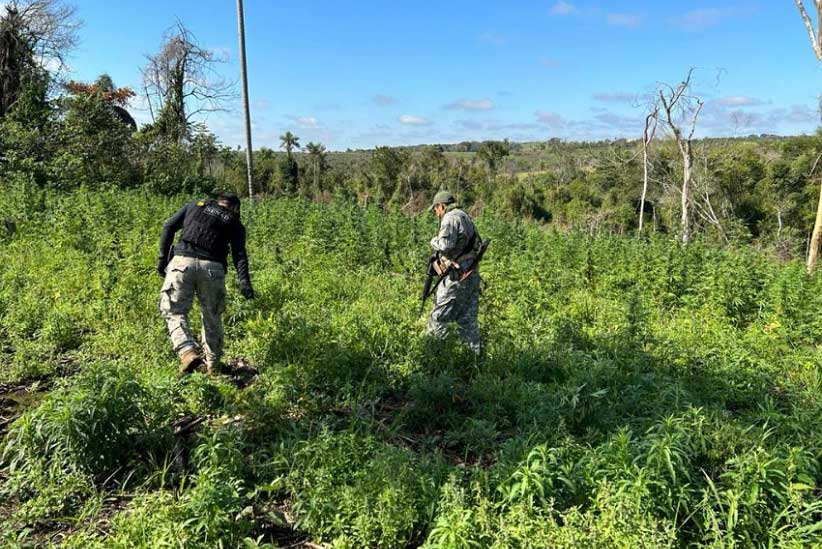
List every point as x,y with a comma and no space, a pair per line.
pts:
687,161
653,215
644,186
813,249
815,36
648,134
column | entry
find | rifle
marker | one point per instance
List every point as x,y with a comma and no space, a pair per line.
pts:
429,288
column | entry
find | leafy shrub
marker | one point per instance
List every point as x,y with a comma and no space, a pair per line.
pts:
359,492
96,424
632,392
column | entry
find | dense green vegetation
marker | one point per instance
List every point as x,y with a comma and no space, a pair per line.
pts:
68,135
65,136
634,393
757,190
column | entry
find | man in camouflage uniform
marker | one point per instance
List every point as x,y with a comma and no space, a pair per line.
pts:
198,267
457,296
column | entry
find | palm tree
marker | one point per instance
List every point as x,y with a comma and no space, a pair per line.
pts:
317,153
105,83
289,142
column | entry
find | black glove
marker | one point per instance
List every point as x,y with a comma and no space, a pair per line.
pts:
246,290
161,268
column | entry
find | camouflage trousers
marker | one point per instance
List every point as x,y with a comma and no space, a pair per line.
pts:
457,302
185,278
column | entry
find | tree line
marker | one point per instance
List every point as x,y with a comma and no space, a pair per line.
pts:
63,134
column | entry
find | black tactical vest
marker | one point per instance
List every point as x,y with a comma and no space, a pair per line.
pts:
209,227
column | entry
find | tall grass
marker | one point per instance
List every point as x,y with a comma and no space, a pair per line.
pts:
632,393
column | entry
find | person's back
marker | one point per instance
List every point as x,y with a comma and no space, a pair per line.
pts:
197,265
458,237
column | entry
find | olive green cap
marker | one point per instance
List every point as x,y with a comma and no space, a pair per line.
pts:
443,197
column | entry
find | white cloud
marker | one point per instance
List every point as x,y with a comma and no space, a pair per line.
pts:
551,119
741,101
384,100
604,124
493,125
412,120
618,122
305,122
802,114
563,8
615,97
730,118
328,107
470,105
626,20
699,19
493,37
549,62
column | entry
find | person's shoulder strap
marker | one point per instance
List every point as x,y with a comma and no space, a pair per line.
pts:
475,238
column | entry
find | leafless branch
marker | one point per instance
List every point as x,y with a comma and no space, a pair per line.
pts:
50,28
699,105
673,101
35,38
182,81
815,37
815,164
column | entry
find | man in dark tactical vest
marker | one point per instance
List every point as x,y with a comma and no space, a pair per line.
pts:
198,267
457,299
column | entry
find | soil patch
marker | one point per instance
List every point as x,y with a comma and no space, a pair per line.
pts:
240,372
16,400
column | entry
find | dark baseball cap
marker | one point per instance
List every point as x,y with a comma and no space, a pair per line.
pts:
231,198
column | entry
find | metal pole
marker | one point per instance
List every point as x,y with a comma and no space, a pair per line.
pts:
244,78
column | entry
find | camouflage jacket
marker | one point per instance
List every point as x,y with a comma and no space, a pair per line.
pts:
453,240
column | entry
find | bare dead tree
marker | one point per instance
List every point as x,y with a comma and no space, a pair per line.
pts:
35,38
813,249
815,35
651,123
816,46
769,157
679,103
50,27
182,82
702,201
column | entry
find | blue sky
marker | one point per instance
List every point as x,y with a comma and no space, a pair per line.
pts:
363,73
